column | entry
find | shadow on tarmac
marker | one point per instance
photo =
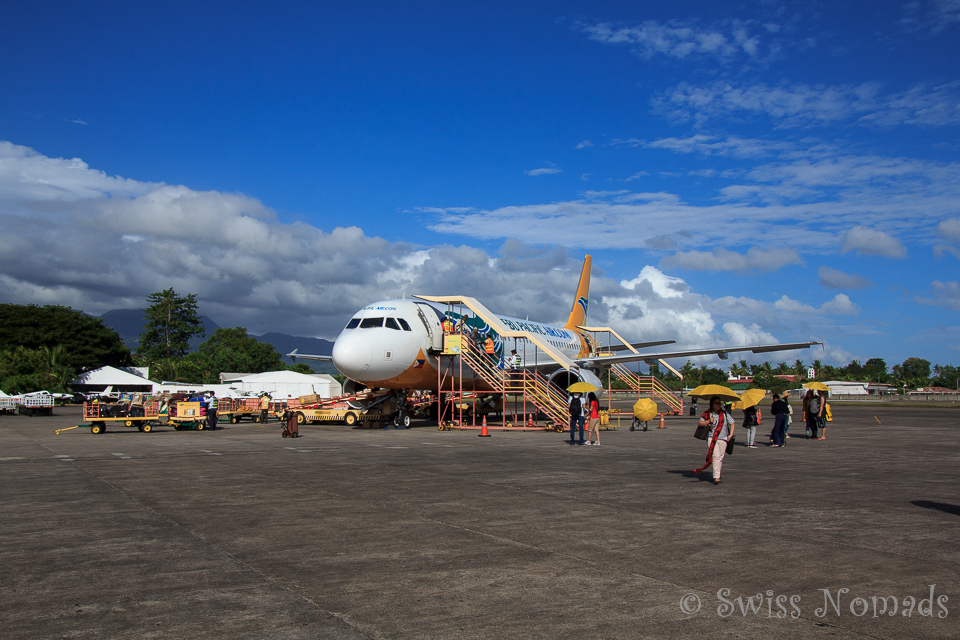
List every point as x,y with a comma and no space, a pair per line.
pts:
952,509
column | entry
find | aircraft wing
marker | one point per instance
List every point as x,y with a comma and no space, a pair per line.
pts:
640,345
650,358
294,355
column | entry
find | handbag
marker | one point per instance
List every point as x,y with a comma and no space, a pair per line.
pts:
702,433
730,443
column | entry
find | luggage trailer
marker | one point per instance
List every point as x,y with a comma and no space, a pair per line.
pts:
143,417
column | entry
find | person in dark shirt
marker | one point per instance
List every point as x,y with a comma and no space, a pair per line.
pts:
780,412
750,425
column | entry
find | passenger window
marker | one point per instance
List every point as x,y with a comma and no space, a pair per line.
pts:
371,323
392,324
354,323
403,323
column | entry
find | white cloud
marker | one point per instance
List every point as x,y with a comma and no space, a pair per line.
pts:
74,236
584,144
942,294
950,229
933,15
873,242
680,40
544,171
835,279
725,260
839,305
798,104
715,146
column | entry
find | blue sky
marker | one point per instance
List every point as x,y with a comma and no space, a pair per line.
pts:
741,173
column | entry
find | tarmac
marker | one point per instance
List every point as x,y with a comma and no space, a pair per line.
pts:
417,533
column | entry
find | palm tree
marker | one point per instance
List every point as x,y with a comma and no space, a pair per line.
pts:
799,368
817,366
783,369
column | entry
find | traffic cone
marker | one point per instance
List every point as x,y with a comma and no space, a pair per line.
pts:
483,428
530,421
663,423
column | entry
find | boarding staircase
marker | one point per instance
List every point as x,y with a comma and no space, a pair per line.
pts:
530,385
651,385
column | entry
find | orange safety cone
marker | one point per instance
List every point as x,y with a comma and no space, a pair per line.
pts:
530,421
663,423
483,428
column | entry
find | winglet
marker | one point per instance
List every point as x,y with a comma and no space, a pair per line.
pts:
578,315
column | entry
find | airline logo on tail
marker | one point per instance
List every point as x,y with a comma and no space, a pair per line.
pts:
578,315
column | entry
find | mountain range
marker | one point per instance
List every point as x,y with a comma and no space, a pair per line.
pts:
129,324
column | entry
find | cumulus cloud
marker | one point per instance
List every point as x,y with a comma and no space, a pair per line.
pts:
75,236
836,279
942,294
839,305
543,171
872,242
950,229
725,260
798,104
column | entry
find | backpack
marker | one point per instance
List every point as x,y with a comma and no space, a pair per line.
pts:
575,407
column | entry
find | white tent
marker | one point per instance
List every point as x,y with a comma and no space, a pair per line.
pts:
282,385
127,379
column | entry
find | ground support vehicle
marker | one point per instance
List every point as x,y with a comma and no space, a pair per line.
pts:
370,408
186,415
32,404
234,410
8,404
142,415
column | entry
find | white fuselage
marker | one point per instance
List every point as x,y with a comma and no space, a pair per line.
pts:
390,344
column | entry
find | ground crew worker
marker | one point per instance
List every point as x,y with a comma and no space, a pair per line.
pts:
514,362
447,325
212,405
264,408
488,347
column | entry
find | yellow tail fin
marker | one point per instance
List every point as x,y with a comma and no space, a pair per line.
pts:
578,315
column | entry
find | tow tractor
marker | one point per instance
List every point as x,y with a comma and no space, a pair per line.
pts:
370,407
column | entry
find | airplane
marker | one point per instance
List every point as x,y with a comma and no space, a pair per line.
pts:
396,344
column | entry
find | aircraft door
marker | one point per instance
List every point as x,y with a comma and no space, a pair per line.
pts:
432,325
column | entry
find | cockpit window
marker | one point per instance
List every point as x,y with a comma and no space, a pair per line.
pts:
403,323
392,324
370,323
354,323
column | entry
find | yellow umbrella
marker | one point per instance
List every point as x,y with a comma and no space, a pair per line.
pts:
816,386
709,390
645,409
750,398
582,387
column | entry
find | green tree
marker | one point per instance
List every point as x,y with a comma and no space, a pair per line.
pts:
226,350
170,322
946,376
915,372
301,367
875,370
23,370
799,369
765,379
84,342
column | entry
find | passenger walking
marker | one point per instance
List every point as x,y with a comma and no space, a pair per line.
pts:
575,405
594,425
750,424
786,400
779,409
822,416
811,411
722,427
804,405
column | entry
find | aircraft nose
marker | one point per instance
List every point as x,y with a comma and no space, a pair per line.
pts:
352,355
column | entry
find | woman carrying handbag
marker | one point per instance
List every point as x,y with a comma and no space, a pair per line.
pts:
721,426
